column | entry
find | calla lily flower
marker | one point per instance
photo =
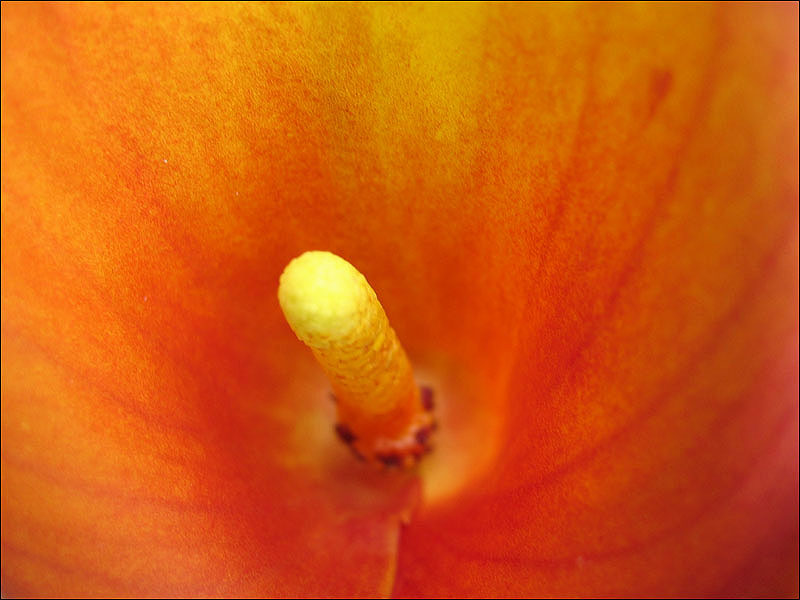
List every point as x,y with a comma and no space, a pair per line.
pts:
581,221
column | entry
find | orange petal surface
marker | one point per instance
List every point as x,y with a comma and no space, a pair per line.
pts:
581,222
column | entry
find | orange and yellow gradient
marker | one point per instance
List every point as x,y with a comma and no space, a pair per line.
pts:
581,219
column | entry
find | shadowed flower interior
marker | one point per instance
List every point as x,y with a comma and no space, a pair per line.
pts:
581,222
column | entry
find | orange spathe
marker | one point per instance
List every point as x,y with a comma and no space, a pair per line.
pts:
581,219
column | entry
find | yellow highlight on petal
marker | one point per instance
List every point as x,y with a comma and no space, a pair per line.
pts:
334,311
